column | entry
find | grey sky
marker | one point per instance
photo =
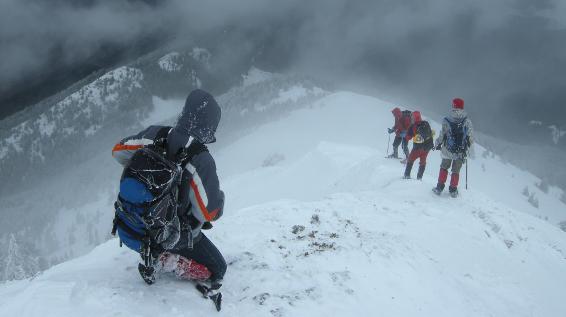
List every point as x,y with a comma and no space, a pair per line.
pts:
498,55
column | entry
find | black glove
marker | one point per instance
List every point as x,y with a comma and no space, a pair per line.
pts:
206,226
390,130
438,147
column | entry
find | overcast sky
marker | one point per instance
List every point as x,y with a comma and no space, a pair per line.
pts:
508,54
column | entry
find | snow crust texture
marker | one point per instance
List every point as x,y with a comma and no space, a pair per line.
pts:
318,223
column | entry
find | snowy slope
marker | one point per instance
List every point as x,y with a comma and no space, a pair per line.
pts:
318,223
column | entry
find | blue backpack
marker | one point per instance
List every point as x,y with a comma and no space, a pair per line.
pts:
457,137
146,208
147,216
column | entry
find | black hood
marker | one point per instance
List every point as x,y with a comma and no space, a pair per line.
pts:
199,119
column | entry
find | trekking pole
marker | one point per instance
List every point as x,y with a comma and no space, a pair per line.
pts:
466,174
388,141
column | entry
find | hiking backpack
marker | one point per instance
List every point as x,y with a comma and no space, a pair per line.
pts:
457,136
423,132
406,115
146,211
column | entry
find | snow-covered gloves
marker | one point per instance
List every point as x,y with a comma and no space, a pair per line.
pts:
206,226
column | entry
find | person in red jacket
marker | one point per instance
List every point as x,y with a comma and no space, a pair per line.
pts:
423,142
402,123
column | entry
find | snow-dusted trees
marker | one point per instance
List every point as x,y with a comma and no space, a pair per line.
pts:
18,262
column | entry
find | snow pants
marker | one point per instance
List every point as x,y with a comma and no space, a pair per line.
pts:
205,253
455,177
413,156
400,139
418,154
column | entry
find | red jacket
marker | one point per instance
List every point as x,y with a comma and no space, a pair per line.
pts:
401,123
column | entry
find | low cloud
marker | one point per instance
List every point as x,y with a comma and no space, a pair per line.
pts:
416,52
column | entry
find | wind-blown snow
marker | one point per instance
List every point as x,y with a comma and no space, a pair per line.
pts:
255,76
296,93
557,133
290,95
319,223
164,111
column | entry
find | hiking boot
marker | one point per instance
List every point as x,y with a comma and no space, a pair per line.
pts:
147,273
421,172
211,290
394,155
212,287
408,169
453,192
438,189
403,161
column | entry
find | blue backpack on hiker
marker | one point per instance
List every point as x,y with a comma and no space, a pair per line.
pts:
457,136
147,218
146,208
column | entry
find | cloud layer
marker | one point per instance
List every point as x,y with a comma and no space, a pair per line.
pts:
494,54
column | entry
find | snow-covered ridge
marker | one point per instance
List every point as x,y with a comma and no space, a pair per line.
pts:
71,140
255,76
117,100
267,95
88,109
180,63
168,62
89,106
319,223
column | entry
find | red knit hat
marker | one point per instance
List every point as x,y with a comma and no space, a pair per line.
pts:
458,103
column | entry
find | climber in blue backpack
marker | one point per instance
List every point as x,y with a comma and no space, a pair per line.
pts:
455,141
169,193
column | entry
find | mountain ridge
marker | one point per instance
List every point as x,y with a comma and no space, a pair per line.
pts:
330,227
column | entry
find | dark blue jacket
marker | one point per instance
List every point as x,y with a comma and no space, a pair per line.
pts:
200,196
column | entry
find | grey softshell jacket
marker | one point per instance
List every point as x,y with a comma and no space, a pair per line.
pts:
456,115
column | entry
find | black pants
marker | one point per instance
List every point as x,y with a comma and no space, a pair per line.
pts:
405,145
205,253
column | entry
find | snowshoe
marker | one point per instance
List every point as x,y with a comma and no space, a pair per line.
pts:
212,293
147,273
406,177
395,156
403,161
